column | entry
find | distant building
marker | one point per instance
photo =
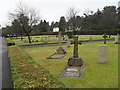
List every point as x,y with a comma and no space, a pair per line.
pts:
56,29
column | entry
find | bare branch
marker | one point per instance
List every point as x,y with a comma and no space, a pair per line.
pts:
71,13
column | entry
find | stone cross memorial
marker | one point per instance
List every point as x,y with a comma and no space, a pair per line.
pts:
105,36
60,50
75,60
75,67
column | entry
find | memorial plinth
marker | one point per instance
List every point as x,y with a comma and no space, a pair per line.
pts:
60,50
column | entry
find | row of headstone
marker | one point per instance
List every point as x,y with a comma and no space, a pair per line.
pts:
33,39
82,37
42,39
54,38
26,40
45,39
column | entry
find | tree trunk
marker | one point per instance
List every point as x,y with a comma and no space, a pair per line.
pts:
29,38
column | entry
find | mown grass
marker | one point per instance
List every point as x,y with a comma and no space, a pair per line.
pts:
96,75
94,37
81,38
27,74
19,42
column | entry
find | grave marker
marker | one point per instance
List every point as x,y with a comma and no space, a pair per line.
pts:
75,60
82,36
60,50
105,36
33,39
68,43
75,67
26,40
117,39
102,54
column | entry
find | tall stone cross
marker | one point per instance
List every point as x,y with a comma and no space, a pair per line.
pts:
60,50
105,36
75,60
75,52
60,39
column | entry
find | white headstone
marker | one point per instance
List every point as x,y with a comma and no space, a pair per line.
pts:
68,43
33,39
82,36
66,38
26,40
17,40
117,38
41,39
49,38
46,40
102,54
53,38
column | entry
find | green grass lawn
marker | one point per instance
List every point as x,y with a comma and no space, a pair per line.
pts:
81,37
14,39
96,75
94,37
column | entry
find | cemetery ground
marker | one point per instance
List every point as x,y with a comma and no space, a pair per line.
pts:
30,68
81,38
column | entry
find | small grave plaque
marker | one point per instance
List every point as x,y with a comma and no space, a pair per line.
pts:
72,69
73,72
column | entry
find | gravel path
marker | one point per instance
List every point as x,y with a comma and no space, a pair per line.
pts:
5,72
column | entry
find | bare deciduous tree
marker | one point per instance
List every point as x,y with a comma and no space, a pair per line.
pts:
72,20
71,12
27,16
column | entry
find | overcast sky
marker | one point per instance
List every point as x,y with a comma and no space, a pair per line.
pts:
52,10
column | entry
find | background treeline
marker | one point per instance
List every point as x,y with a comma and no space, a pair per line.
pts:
100,22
